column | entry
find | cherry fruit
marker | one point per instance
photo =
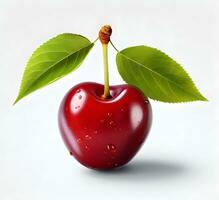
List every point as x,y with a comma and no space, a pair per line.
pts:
104,133
103,127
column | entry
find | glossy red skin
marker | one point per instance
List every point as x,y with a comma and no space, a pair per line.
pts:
104,133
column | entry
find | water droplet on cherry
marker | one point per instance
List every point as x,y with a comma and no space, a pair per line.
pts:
112,123
109,114
79,140
122,110
115,164
88,137
111,148
95,132
78,90
146,101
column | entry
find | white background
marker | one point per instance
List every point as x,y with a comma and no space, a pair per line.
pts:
179,161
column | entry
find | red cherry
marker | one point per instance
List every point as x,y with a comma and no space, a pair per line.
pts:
104,133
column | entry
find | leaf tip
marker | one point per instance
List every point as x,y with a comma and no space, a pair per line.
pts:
204,99
17,99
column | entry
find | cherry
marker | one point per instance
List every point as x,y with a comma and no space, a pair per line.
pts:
103,127
104,133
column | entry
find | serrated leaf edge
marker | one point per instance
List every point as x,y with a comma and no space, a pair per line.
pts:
200,99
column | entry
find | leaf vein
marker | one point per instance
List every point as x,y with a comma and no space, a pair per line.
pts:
159,75
25,91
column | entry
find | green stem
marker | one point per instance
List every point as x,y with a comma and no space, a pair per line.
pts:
113,46
95,40
106,71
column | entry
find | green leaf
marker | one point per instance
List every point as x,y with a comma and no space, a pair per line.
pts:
157,75
51,61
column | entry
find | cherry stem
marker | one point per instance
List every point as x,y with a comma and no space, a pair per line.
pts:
113,46
106,93
104,37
